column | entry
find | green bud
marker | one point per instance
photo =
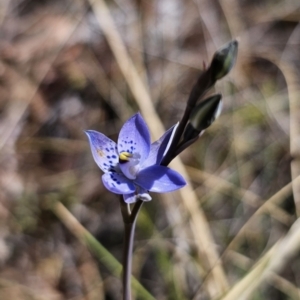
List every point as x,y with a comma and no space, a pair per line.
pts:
203,115
224,60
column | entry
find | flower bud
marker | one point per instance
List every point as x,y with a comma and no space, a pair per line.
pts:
223,60
203,115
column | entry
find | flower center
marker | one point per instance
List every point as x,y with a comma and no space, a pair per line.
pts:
124,157
129,164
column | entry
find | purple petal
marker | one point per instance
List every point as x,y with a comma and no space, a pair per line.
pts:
134,137
104,150
159,148
130,198
159,179
117,183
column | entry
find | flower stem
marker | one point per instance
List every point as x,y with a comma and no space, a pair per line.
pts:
129,230
127,259
203,84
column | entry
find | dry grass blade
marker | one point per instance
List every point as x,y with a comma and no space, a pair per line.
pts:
293,85
217,282
24,93
127,67
285,286
217,184
103,85
276,199
88,240
273,261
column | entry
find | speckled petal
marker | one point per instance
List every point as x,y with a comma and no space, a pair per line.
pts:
159,148
134,137
118,183
159,179
104,150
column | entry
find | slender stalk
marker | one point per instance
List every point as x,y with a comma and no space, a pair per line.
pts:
127,259
183,145
202,85
129,230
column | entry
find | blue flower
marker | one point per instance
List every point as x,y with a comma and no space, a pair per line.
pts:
132,166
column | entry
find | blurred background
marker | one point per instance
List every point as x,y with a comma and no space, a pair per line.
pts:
61,73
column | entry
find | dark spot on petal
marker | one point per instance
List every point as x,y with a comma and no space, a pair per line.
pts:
118,182
114,156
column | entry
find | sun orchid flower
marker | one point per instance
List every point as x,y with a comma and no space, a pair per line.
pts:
132,166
